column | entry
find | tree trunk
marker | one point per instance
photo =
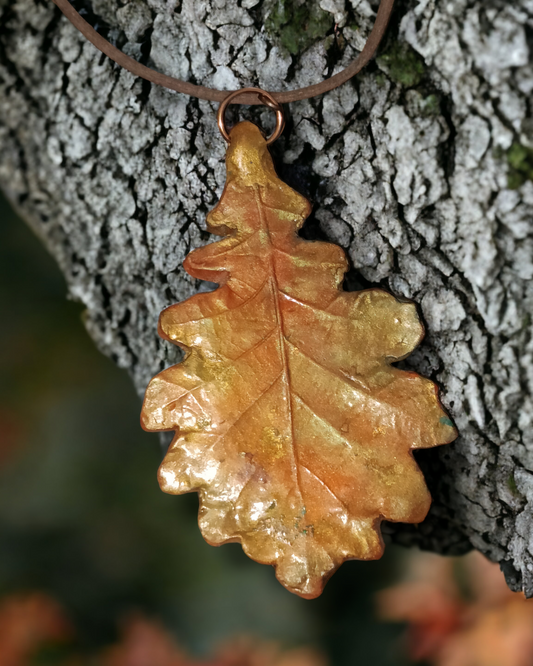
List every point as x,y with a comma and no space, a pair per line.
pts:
420,168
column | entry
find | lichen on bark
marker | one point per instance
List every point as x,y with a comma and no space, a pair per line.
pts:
420,168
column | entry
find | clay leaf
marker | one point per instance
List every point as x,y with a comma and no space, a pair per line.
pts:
291,423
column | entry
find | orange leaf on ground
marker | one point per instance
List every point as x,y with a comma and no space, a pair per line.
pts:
27,622
144,643
251,652
500,636
487,626
432,613
147,643
290,420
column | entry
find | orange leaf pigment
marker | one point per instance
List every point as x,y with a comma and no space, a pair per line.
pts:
291,423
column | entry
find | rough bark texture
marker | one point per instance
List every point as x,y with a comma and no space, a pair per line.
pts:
421,168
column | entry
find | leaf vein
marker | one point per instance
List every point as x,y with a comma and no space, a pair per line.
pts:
341,502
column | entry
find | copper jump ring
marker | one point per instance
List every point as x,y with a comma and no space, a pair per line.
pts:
264,98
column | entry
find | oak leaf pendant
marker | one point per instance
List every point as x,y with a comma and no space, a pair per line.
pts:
291,423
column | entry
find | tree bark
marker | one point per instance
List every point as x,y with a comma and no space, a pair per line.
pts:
420,168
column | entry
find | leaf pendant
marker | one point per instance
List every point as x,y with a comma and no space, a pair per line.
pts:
291,423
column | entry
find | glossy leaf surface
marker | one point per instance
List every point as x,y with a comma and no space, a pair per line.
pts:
290,421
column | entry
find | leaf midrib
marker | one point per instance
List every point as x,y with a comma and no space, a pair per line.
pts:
282,340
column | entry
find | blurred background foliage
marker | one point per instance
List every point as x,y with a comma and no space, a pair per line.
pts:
82,519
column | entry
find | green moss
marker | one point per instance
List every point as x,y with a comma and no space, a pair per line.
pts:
520,160
430,105
423,105
380,79
297,26
511,484
403,64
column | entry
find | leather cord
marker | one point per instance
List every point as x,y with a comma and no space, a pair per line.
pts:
212,95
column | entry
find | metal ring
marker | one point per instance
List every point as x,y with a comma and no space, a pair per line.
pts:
265,98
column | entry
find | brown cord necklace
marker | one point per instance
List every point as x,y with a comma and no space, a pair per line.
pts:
290,420
212,95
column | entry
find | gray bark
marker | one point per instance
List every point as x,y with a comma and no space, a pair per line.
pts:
421,168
